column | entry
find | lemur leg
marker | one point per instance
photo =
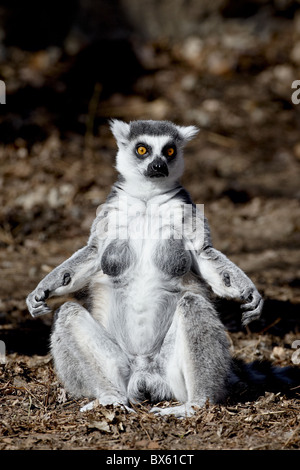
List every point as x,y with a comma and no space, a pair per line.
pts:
86,359
197,360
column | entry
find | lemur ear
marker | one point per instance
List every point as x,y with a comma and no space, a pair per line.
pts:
188,132
120,130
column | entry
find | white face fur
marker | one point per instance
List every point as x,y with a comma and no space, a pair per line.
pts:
143,145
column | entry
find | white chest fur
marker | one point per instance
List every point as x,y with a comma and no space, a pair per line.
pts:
143,300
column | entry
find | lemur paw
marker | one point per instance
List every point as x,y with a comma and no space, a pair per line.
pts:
36,302
93,404
252,307
181,411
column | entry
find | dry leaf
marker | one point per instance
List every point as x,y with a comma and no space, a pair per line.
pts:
153,445
278,353
108,414
61,395
102,426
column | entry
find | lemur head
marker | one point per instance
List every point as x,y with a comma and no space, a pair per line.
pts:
151,150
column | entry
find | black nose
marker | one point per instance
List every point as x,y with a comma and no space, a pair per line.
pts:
157,168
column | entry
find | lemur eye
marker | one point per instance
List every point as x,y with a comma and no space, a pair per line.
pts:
169,151
141,150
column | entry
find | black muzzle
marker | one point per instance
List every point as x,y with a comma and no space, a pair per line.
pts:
157,169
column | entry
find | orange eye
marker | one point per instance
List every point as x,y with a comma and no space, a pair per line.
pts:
141,150
170,151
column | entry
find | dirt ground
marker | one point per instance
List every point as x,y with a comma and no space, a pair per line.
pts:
56,168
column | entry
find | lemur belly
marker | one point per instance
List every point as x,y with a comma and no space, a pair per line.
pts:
144,279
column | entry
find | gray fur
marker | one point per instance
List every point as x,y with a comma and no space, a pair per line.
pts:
117,258
152,331
68,277
172,258
227,280
154,128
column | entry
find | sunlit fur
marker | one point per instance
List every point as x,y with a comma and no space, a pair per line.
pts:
151,331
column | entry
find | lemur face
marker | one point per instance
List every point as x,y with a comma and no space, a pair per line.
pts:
151,150
158,156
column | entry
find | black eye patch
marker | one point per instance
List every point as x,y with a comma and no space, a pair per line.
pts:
142,150
169,151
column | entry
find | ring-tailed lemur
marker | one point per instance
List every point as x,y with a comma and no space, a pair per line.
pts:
152,331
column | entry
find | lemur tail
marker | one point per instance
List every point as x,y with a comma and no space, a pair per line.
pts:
256,378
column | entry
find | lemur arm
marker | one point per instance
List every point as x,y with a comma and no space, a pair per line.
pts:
229,281
70,276
221,274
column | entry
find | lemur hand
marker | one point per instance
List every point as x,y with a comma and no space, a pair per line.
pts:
237,282
229,281
36,301
253,305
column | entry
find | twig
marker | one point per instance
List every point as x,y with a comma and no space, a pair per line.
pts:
30,393
270,326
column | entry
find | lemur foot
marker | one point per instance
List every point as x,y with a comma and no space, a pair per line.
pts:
180,411
93,404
